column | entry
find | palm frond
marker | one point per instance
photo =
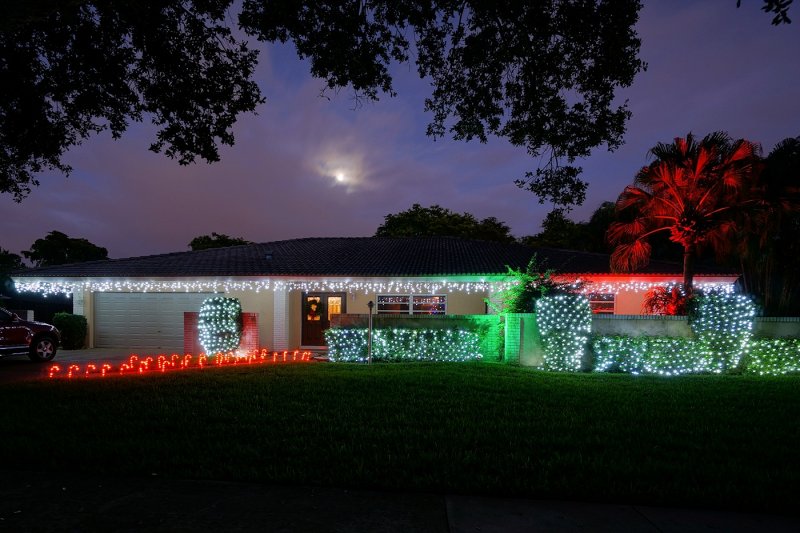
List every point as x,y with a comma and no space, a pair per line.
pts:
632,256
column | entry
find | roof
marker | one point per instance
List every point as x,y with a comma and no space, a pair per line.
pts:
349,257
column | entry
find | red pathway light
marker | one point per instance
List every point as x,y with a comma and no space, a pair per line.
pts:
161,363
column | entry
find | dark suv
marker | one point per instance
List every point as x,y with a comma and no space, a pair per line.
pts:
36,339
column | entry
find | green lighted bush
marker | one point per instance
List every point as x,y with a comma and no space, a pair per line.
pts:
774,357
565,321
220,325
669,356
403,344
723,326
665,356
73,330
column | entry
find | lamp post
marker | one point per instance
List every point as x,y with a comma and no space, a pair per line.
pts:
370,304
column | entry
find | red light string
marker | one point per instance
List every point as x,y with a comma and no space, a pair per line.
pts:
161,363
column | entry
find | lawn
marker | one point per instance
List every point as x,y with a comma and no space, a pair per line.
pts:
725,442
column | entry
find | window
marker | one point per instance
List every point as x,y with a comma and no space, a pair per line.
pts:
413,304
602,303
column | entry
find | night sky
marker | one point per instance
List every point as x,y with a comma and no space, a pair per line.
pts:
307,166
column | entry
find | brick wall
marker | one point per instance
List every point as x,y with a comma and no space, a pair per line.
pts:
191,335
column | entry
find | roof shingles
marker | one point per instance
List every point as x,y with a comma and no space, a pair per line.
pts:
346,256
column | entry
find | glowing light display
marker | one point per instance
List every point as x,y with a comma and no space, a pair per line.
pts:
136,365
220,324
774,357
403,344
663,356
70,286
723,329
52,287
565,321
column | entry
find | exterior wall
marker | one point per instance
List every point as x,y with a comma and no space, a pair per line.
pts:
457,303
678,326
523,342
262,304
629,303
638,325
293,308
83,304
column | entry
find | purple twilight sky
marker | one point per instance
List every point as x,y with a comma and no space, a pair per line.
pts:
309,167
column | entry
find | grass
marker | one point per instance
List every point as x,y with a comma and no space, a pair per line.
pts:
725,442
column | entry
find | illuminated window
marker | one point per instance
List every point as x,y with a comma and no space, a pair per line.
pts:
602,303
412,304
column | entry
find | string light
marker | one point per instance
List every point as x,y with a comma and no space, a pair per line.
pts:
220,324
403,344
565,322
723,331
582,284
135,365
774,357
67,287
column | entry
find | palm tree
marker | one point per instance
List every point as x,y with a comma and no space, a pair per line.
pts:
770,240
695,191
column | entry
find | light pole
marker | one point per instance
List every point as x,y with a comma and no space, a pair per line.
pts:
370,304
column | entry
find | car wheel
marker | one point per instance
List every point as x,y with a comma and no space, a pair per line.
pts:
43,349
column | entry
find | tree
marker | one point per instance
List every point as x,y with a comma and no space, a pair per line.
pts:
215,240
770,238
438,221
72,69
530,285
694,191
560,232
59,249
8,263
779,7
541,74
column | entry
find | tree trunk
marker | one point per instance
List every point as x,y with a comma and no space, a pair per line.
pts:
688,269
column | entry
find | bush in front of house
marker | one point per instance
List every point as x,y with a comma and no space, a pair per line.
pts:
723,326
220,324
403,344
73,330
672,356
565,321
665,356
773,357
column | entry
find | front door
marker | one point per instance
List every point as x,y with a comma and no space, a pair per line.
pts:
317,310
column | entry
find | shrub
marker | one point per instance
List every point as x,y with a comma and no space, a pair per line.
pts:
666,356
73,330
773,357
565,321
723,326
220,324
403,344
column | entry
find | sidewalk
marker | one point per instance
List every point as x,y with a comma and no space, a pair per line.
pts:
69,502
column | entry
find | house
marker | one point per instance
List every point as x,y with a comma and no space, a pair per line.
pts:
294,287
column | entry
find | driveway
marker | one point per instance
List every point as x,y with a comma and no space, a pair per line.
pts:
20,368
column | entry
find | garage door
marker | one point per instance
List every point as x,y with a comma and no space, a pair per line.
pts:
138,321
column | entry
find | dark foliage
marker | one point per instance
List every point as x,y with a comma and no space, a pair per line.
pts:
542,75
72,69
59,249
215,240
73,330
769,240
438,221
8,263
